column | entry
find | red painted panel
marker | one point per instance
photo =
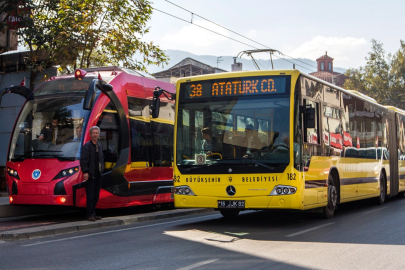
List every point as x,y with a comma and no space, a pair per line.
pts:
49,169
33,189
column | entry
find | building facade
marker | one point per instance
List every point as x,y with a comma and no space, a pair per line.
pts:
185,68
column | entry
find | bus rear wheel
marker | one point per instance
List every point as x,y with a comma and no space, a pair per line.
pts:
381,198
229,213
329,209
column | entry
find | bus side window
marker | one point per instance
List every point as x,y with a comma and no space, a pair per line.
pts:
332,131
138,112
140,141
109,136
162,144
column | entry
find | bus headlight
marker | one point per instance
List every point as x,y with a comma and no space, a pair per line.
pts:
13,173
283,190
66,172
183,190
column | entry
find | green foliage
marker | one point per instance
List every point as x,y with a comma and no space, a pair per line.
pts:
84,33
382,78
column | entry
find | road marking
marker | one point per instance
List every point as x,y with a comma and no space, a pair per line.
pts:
375,210
238,234
198,264
120,230
309,230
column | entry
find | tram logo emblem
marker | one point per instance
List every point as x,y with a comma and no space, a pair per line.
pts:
230,190
230,179
36,174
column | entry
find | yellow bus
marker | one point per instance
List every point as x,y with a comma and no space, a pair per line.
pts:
282,139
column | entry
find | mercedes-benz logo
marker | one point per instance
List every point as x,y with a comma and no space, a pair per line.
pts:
230,170
230,190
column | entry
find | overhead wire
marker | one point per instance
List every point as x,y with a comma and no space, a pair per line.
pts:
204,28
222,34
194,14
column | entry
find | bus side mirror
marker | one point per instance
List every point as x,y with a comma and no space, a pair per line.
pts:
310,117
155,106
89,99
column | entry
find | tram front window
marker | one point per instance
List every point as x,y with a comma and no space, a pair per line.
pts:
238,131
50,127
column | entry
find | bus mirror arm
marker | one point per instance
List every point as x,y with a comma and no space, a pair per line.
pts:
156,100
19,90
90,96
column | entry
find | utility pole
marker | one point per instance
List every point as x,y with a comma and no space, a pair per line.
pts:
219,60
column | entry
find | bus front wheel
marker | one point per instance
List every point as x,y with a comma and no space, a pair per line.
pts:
229,213
329,209
381,198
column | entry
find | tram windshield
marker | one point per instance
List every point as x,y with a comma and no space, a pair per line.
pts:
234,130
50,126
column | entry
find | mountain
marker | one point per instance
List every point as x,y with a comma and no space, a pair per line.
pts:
302,64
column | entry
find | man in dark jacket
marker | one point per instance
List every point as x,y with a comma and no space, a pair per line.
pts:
92,166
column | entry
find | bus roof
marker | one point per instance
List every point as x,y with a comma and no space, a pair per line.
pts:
281,72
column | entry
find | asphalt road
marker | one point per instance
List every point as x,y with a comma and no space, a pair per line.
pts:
360,236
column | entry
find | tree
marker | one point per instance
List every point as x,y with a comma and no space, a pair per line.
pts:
383,76
79,34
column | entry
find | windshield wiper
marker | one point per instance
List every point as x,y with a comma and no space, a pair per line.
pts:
22,157
202,166
59,158
255,162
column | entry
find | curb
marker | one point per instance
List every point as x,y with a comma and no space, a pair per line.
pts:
78,226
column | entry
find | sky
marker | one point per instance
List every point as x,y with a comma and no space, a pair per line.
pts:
298,28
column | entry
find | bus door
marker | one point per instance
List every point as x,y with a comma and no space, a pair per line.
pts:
369,166
311,150
140,144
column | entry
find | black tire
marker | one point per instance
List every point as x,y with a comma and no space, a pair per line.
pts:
401,194
383,190
329,209
229,213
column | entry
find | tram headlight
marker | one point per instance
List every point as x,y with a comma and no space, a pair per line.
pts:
66,172
13,173
283,190
183,190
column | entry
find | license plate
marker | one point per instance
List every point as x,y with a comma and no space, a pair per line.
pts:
231,204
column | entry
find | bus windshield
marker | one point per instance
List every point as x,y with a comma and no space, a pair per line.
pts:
240,131
50,126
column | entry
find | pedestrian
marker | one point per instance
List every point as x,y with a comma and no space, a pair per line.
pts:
92,166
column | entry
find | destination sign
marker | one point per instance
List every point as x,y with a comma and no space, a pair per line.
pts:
233,87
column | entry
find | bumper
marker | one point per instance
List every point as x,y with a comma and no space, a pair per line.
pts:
258,202
42,199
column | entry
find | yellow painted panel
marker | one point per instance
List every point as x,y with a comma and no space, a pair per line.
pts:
322,196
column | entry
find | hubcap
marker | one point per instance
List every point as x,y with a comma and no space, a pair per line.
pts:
332,196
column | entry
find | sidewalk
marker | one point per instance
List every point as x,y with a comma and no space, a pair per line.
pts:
77,226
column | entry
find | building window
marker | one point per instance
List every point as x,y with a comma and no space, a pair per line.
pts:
322,66
330,66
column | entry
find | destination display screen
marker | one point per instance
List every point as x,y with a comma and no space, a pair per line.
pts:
63,86
234,87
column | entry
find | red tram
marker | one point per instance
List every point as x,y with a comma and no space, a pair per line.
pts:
44,151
